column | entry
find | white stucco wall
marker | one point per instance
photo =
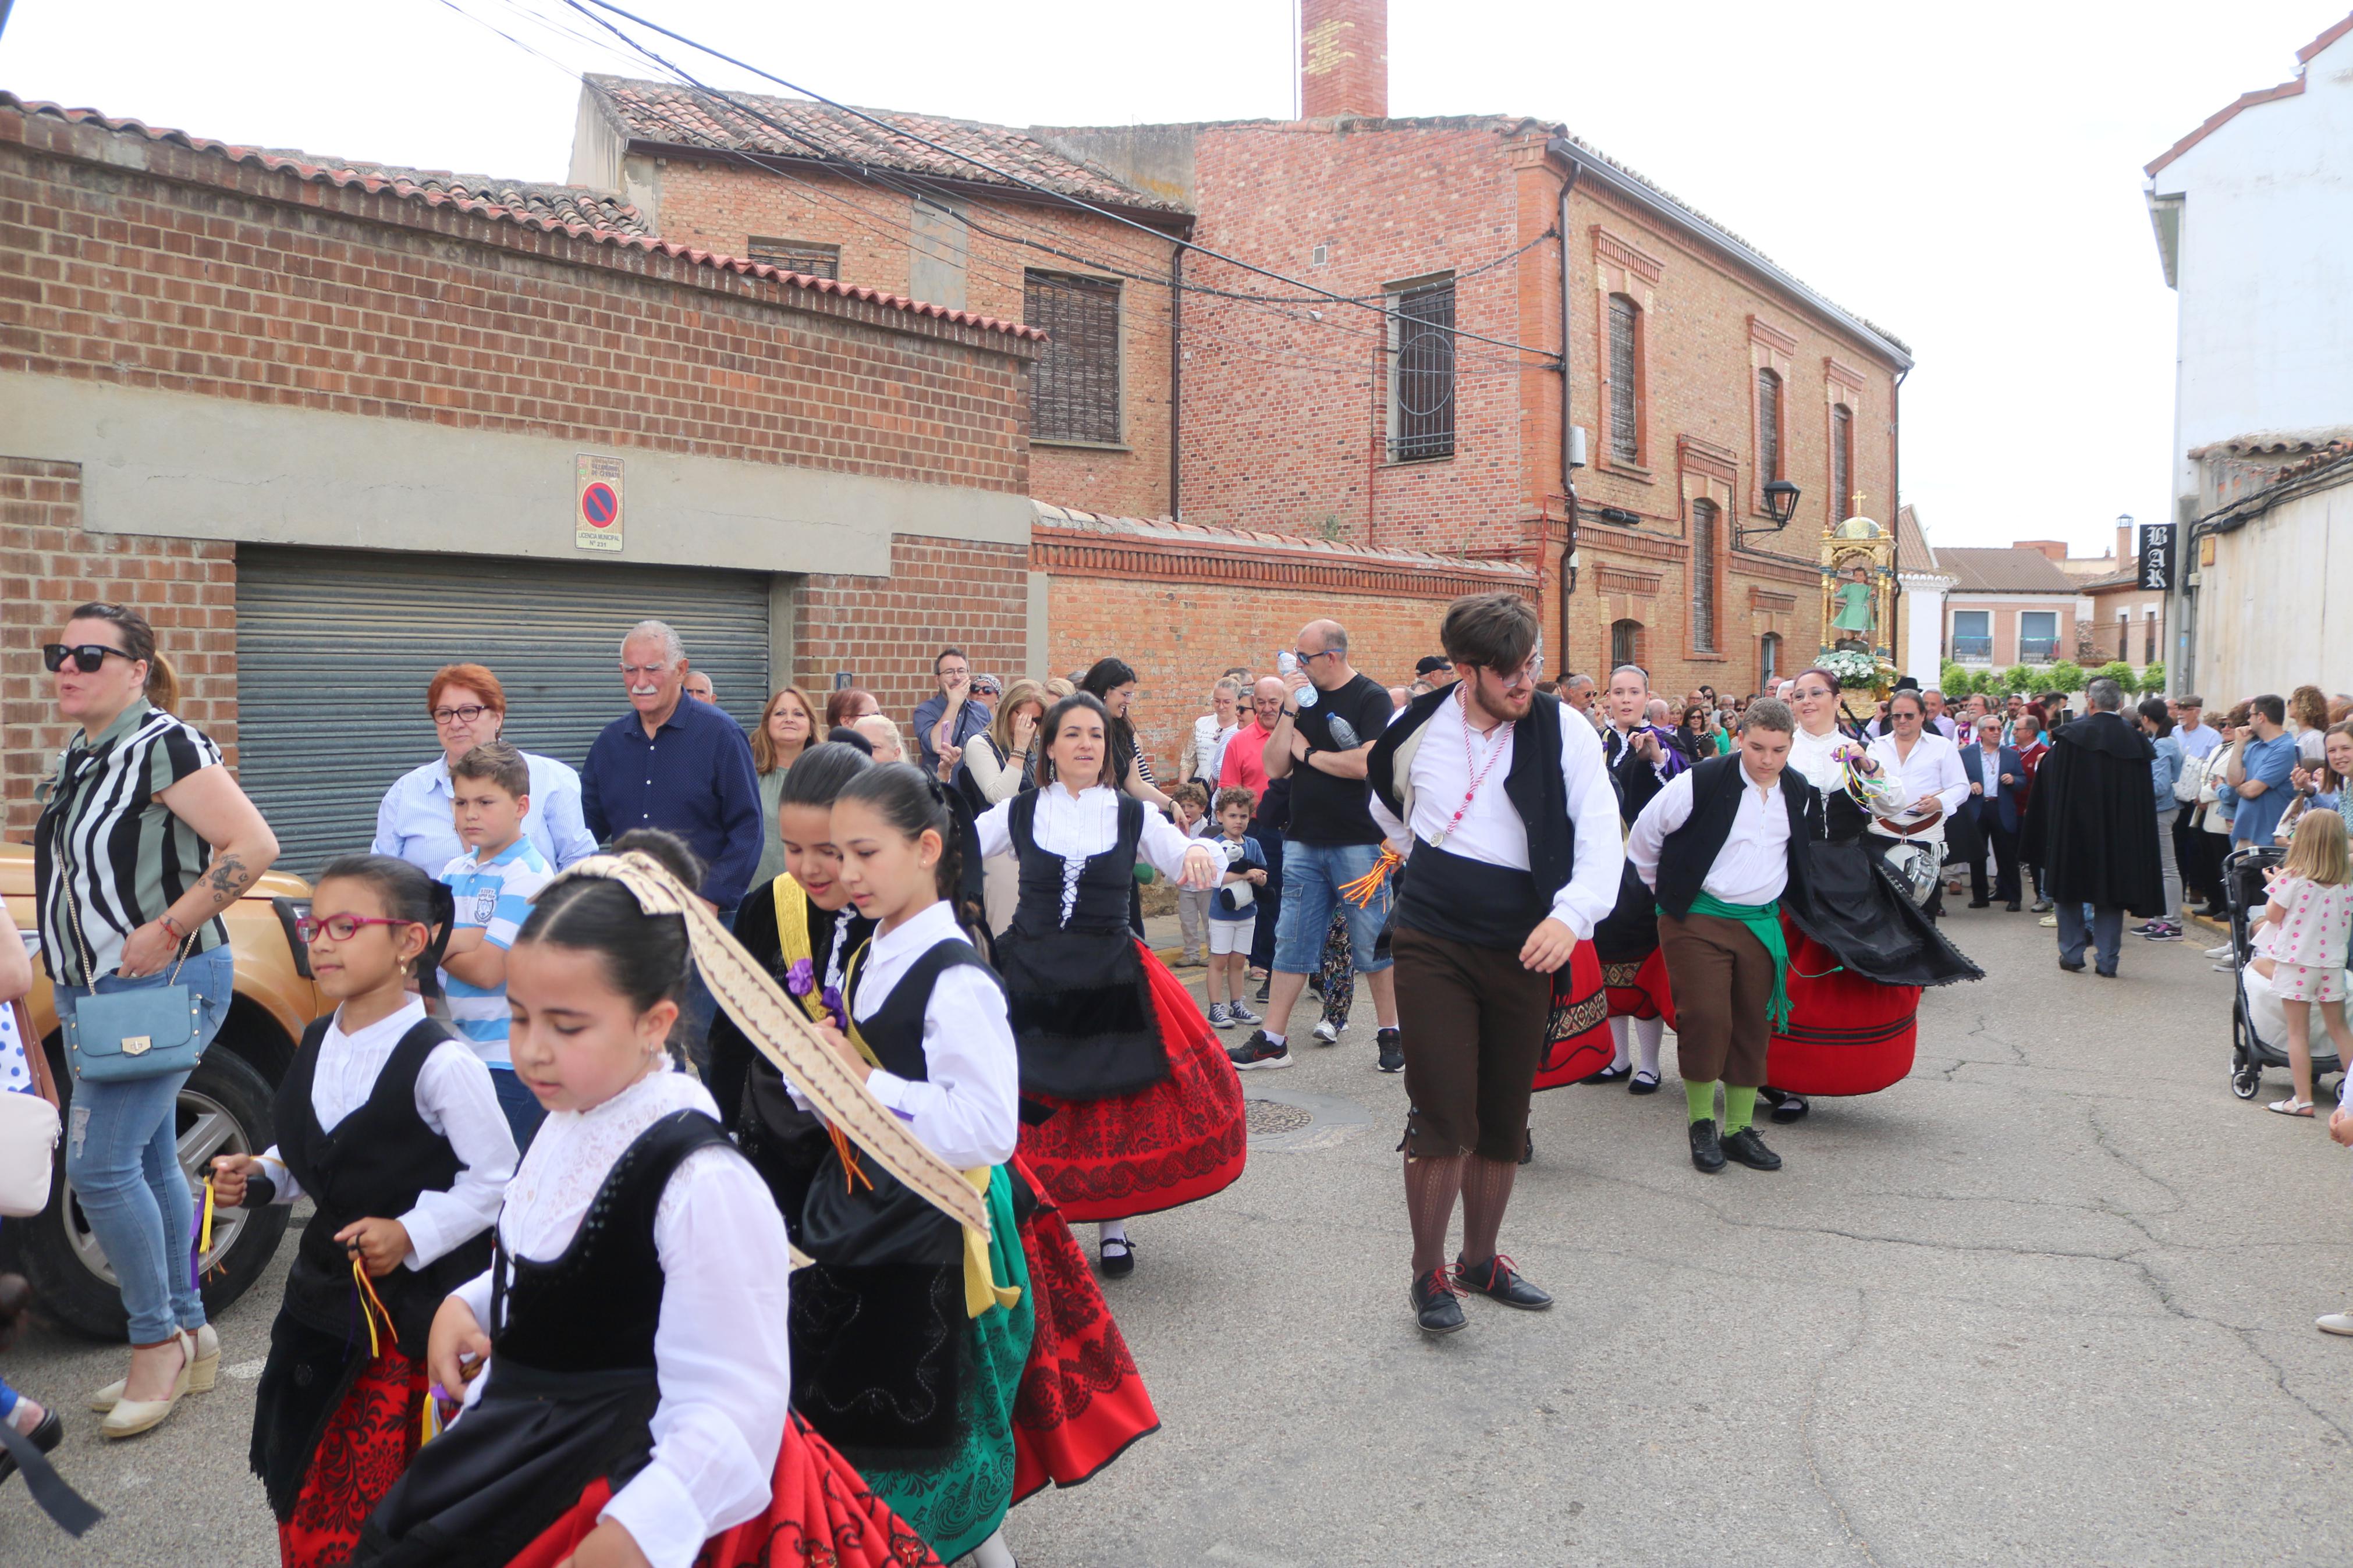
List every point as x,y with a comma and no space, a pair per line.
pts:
2264,266
1922,655
2275,610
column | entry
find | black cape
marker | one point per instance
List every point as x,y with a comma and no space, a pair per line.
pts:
2094,817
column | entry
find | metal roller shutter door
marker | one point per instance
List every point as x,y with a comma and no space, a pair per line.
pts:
335,647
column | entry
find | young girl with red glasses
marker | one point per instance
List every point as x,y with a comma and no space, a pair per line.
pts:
388,1122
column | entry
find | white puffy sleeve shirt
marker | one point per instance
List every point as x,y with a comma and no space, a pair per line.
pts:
723,1359
1075,826
967,1107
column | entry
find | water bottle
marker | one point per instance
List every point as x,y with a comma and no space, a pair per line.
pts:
1303,694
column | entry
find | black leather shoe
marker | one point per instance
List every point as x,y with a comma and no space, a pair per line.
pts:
1749,1150
51,1432
2105,973
2011,906
1437,1305
1120,1263
1707,1151
1609,1075
2077,968
1980,903
1499,1280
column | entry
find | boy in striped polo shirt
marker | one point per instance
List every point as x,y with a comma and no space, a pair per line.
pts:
492,884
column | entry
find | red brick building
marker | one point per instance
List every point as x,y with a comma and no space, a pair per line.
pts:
332,425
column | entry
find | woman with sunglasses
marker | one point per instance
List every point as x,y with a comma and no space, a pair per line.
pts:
468,708
143,839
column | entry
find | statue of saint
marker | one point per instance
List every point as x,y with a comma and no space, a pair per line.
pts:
1852,620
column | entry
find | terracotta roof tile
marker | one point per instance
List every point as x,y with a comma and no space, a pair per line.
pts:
2006,571
686,116
574,210
1170,532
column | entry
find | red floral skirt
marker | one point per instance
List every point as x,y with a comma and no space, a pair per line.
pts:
1081,1401
1847,1034
1577,1043
1175,1143
1636,990
820,1512
367,1443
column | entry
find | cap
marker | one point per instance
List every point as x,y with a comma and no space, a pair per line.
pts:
1433,664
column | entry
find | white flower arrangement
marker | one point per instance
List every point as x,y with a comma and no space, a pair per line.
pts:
1856,671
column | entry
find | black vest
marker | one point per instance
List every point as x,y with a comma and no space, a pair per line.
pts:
373,1165
596,1305
895,1033
1690,851
1104,887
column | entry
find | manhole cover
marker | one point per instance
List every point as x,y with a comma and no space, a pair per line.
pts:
1266,1118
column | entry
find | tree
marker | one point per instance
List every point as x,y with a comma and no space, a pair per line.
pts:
2120,672
2019,678
2064,676
1953,680
2152,680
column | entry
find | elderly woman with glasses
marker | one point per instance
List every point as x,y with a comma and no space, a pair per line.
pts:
469,708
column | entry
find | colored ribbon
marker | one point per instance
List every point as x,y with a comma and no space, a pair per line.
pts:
370,1306
1362,891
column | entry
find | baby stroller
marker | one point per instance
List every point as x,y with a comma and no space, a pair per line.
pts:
2258,1027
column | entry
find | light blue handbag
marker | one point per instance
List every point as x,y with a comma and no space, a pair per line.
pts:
125,1035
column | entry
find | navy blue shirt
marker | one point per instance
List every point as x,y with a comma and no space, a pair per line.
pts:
693,778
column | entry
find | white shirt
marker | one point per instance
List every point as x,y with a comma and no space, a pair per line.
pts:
1932,778
454,1097
1753,864
1816,758
1087,823
2199,742
967,1108
1490,829
723,1359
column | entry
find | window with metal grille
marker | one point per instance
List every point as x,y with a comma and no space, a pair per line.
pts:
1625,643
1769,660
806,258
1703,576
1768,425
1074,388
1842,504
1625,380
1421,372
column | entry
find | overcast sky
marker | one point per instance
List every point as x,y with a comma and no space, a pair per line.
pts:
1968,178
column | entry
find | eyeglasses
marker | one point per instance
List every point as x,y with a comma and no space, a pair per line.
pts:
86,658
1307,659
343,928
466,715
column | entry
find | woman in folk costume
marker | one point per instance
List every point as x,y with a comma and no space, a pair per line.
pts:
1859,949
1147,1113
625,1363
387,1122
802,928
1642,760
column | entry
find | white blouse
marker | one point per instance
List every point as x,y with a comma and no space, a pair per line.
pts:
723,1361
967,1109
1816,757
454,1097
1079,826
1931,776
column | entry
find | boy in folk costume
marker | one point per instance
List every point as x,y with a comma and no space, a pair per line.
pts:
1721,845
1513,836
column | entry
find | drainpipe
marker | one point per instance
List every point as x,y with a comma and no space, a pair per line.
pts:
1176,370
1568,424
1895,505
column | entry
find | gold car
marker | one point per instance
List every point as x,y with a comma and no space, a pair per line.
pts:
224,1107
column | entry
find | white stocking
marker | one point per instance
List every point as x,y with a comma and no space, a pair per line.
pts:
1108,1230
992,1553
1617,1022
1647,1033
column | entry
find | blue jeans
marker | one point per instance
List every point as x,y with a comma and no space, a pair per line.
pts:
1268,899
522,1108
694,1018
122,1156
1313,876
2106,932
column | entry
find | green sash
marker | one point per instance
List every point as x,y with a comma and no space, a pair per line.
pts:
1765,920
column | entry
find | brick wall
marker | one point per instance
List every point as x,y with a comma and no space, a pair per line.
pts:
154,264
722,204
887,630
186,588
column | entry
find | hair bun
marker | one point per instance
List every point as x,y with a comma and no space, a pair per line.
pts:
665,848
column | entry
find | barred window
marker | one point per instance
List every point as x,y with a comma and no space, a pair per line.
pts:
1421,372
1842,462
1625,643
1625,380
1769,660
1769,426
1703,576
1074,390
806,258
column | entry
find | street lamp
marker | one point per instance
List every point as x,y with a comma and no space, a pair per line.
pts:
1780,504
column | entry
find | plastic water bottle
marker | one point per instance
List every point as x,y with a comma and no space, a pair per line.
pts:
1303,694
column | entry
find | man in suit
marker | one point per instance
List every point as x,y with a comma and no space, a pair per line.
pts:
1995,777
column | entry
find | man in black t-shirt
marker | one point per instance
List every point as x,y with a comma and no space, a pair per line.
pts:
1328,726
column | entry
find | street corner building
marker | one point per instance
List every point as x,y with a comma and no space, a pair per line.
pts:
334,424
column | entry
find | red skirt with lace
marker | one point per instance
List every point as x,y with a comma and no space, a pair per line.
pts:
820,1510
1081,1401
1174,1142
1577,1043
367,1443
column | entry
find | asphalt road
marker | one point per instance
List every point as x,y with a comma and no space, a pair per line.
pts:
2049,1300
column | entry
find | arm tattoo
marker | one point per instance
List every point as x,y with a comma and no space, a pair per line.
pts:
227,878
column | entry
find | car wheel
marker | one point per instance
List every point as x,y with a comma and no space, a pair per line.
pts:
224,1108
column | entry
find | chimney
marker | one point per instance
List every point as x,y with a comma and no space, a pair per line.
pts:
1344,58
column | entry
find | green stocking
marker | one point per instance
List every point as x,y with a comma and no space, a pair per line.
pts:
1739,1108
1702,1097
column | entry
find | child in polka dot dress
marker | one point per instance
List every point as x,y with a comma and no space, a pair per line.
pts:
2311,910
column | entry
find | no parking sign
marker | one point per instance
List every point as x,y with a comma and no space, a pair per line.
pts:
596,510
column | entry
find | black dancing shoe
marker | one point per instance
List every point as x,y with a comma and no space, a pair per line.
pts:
1392,1049
45,1436
1707,1150
1786,1106
1642,1082
1117,1265
1437,1305
1499,1280
1749,1150
1609,1075
1528,1149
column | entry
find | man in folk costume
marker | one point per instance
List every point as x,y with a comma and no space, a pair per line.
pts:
1721,845
1513,838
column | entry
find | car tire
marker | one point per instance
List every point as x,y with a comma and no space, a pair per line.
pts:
226,1108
